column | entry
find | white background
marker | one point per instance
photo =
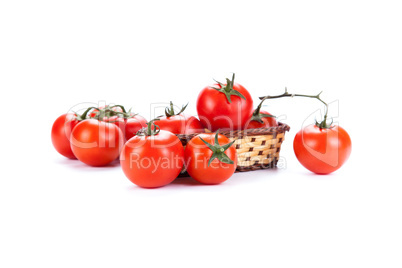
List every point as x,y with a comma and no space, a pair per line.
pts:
56,212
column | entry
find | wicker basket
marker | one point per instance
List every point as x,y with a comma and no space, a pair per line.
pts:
256,148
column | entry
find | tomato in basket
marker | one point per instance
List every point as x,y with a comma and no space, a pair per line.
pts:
179,123
224,106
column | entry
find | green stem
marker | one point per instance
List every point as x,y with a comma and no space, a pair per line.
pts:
171,107
148,131
323,124
150,127
228,89
120,106
84,115
257,116
170,112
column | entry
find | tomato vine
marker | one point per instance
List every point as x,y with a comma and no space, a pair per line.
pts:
322,124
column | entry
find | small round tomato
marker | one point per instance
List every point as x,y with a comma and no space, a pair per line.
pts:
322,150
224,106
61,131
116,120
261,119
96,143
209,162
153,159
178,123
133,124
266,120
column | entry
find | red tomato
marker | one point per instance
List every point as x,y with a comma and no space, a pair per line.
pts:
266,122
96,143
180,124
134,124
116,120
152,161
322,150
198,155
61,132
221,106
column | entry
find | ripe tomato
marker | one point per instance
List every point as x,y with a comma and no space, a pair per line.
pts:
266,121
224,106
133,124
322,150
96,143
152,160
209,162
116,120
179,123
61,132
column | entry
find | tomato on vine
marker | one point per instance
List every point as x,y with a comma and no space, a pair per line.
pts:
96,111
96,143
224,106
61,132
153,158
321,148
128,122
210,158
261,119
179,123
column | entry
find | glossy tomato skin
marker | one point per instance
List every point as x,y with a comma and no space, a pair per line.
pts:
61,131
180,124
96,143
152,161
118,121
130,126
267,122
197,155
134,124
322,151
215,111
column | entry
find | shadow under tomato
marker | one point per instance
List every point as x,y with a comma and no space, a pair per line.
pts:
318,176
180,182
186,181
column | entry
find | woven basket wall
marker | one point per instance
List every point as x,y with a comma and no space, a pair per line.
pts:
256,148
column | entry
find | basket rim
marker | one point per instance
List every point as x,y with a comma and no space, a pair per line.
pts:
281,128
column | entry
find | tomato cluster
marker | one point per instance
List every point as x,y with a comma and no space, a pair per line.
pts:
151,154
97,136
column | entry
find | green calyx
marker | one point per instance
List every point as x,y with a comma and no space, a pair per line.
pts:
324,124
84,115
169,111
148,131
218,151
257,116
228,89
109,112
105,112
